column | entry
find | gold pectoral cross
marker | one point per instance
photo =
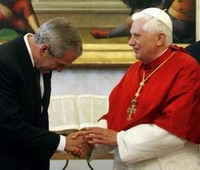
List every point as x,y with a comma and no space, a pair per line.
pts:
132,109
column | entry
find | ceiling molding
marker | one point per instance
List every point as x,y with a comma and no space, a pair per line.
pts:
81,6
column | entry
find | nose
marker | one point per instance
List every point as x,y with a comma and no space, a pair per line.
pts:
131,41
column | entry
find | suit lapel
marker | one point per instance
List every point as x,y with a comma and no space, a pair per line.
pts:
47,90
29,75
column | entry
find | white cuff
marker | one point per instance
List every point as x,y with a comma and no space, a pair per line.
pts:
146,141
62,143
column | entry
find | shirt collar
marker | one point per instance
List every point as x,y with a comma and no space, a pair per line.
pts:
164,55
28,47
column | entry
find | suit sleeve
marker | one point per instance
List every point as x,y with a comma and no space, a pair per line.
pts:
15,131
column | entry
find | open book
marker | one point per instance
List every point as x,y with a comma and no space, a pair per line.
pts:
70,112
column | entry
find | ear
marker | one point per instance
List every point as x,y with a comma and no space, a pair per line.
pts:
160,39
44,48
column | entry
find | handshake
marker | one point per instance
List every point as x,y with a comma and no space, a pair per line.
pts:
81,143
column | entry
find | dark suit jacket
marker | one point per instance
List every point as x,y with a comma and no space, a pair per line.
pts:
25,142
194,50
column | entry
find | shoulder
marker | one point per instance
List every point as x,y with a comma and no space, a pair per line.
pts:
194,50
194,45
12,52
185,58
182,54
185,67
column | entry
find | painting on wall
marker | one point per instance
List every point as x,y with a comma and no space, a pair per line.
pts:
16,17
103,49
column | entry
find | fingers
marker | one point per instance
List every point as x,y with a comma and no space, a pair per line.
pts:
77,146
94,136
97,141
101,136
76,151
75,135
95,132
80,152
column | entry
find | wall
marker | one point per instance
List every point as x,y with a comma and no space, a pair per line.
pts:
85,81
82,165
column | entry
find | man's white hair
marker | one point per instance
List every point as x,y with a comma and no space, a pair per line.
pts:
156,20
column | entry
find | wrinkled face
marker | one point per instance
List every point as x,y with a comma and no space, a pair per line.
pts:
45,62
142,42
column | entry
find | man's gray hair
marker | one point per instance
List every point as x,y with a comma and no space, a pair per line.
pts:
152,24
61,36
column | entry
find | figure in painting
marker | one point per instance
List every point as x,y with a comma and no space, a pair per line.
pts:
18,15
123,30
182,13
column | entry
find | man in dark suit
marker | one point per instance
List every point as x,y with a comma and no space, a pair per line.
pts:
194,50
25,142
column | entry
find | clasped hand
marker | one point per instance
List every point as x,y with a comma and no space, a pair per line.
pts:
81,143
77,145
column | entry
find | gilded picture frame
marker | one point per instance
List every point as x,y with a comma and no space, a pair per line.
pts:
94,54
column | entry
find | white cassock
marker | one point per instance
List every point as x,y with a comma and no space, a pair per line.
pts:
149,147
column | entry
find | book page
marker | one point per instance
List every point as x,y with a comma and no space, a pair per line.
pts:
63,113
91,108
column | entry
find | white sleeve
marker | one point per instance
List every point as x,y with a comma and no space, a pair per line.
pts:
146,141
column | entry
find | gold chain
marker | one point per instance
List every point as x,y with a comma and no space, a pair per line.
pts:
132,109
